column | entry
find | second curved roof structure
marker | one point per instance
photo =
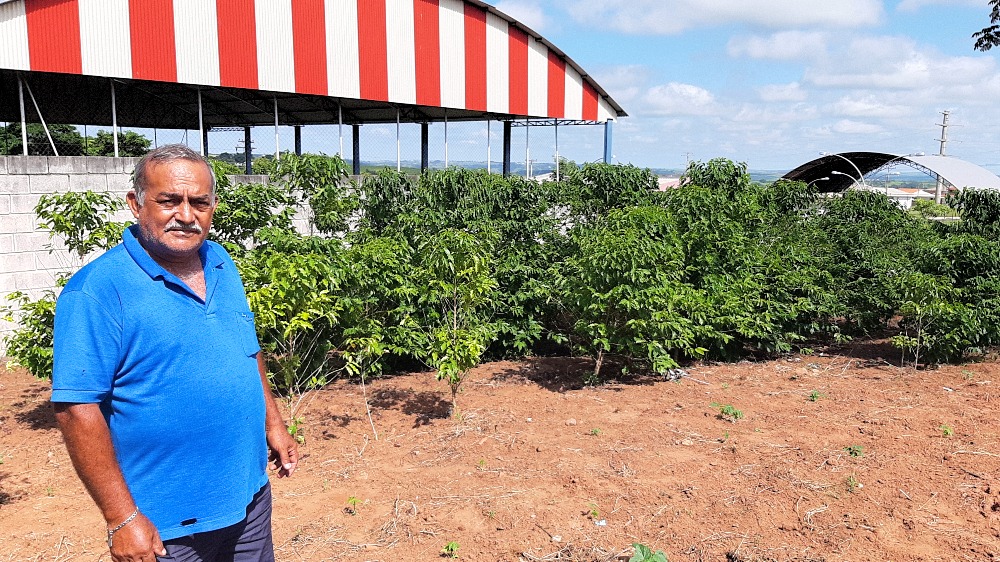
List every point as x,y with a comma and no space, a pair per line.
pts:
463,57
837,172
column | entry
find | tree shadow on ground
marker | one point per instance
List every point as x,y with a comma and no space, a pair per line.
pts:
867,353
426,406
561,374
34,411
339,420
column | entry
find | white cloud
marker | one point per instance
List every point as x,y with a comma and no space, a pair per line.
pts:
782,92
785,45
849,127
676,98
869,106
668,17
895,63
774,117
916,5
625,83
527,12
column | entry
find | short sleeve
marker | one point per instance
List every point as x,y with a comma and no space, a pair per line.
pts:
87,349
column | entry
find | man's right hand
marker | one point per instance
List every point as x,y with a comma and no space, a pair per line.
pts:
88,440
139,541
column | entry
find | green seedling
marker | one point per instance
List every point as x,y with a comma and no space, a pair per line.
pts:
946,430
853,484
645,554
815,395
451,549
856,451
295,430
481,464
727,412
594,513
595,431
352,505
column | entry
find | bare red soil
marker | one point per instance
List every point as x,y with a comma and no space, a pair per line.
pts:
838,456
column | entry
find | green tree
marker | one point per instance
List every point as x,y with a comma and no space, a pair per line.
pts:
67,139
83,221
925,208
597,188
264,165
511,210
130,143
871,242
296,298
323,183
385,195
246,210
623,294
989,36
456,290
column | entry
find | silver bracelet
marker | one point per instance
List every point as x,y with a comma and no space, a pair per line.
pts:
111,532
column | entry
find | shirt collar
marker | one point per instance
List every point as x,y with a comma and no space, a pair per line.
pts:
209,256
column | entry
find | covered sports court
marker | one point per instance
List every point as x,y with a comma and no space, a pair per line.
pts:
236,64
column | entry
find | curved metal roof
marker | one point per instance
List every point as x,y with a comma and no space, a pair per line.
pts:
371,56
837,172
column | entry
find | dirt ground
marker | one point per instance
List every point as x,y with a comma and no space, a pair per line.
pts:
841,455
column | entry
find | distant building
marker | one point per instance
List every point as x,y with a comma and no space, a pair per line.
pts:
668,182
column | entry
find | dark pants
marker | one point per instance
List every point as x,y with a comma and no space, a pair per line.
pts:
247,541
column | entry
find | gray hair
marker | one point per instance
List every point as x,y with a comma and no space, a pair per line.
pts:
162,155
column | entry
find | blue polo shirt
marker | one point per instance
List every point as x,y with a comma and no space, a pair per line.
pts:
176,378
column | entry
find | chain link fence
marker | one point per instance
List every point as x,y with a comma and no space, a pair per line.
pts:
469,144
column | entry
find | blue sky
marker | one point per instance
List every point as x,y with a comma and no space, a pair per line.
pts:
774,82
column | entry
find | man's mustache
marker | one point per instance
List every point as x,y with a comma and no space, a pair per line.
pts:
181,227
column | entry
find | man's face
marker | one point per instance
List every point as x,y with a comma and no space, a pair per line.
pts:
177,212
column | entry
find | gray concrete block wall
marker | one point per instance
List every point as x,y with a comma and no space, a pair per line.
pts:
31,262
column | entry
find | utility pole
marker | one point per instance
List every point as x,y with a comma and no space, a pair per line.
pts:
247,150
939,186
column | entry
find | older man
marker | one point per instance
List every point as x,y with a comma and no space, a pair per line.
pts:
159,386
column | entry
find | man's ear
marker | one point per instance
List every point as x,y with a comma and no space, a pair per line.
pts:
133,203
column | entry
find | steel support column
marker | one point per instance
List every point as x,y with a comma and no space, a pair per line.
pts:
24,122
114,116
425,156
41,118
201,126
608,155
506,148
277,149
356,150
247,151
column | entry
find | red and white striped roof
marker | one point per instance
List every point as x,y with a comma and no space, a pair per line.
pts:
443,53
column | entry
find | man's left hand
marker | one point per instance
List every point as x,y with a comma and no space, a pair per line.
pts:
284,451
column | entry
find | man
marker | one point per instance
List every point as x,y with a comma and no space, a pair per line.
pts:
159,386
